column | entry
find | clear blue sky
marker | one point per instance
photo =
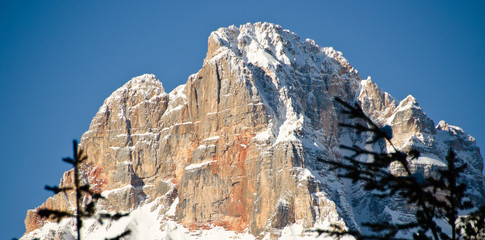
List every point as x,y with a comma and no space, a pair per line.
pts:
60,59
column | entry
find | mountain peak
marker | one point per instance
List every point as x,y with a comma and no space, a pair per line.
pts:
268,45
144,81
144,85
236,148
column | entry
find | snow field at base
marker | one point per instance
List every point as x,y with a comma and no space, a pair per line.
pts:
297,231
146,223
143,223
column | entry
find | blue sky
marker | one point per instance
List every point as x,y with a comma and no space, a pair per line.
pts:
59,60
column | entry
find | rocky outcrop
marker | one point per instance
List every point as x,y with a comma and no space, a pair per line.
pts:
412,129
236,146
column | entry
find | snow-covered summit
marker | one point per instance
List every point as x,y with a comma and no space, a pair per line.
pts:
143,85
268,45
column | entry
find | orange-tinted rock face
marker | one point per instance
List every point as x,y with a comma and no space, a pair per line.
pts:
225,203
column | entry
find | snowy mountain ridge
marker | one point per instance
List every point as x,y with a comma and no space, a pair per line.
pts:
233,152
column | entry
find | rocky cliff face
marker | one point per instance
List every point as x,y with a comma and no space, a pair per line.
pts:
234,150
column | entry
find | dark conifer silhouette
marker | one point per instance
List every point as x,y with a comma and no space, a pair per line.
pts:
83,210
432,198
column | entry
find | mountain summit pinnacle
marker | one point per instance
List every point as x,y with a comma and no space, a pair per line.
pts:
267,45
233,152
